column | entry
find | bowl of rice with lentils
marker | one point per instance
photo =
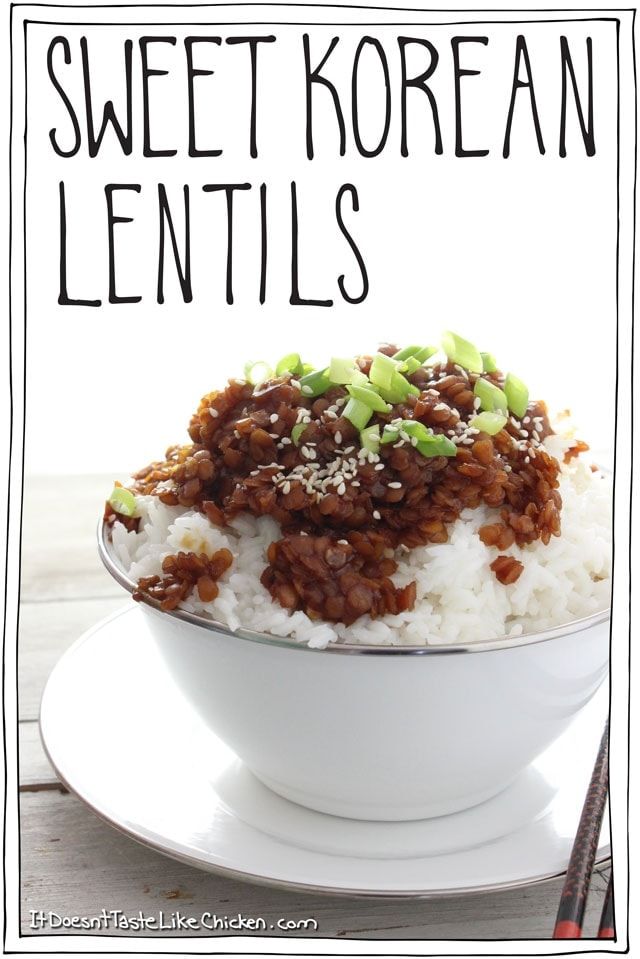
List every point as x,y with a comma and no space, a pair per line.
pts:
404,505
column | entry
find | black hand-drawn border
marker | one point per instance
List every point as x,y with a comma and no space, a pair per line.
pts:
246,3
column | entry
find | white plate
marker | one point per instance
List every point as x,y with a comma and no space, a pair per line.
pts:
122,737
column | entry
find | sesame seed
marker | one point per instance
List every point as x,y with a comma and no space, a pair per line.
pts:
376,514
307,390
524,434
342,489
286,487
343,542
527,419
295,383
274,436
394,485
213,412
349,449
476,403
273,418
380,466
355,483
338,436
285,441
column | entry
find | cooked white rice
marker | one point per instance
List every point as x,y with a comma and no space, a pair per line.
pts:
459,598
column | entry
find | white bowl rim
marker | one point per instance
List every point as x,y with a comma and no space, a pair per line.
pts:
105,551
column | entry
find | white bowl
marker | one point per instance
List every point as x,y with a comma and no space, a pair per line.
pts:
386,733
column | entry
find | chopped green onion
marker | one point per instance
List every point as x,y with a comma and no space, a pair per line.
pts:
417,353
425,353
489,364
257,373
489,422
357,413
428,443
405,353
341,371
437,445
399,389
491,397
289,364
412,364
360,379
123,501
517,395
370,438
315,383
306,368
369,397
415,429
390,434
462,352
297,432
382,369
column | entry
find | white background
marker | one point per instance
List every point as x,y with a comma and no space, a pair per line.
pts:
533,238
517,254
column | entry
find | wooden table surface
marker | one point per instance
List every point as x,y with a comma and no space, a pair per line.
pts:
73,864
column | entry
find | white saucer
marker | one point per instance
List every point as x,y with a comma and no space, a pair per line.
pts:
122,737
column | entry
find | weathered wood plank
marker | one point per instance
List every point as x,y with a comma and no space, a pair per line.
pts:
59,555
46,631
35,771
75,865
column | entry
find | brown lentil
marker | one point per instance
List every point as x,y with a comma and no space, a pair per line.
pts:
341,509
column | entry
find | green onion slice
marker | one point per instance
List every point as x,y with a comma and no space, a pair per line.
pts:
425,353
257,373
341,371
416,429
437,445
358,378
289,364
369,397
306,368
399,389
382,369
297,432
491,397
428,442
412,364
390,434
462,352
489,422
123,501
405,353
370,438
489,364
315,384
517,395
357,413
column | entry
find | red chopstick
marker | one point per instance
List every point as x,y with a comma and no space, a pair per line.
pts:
576,887
607,928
